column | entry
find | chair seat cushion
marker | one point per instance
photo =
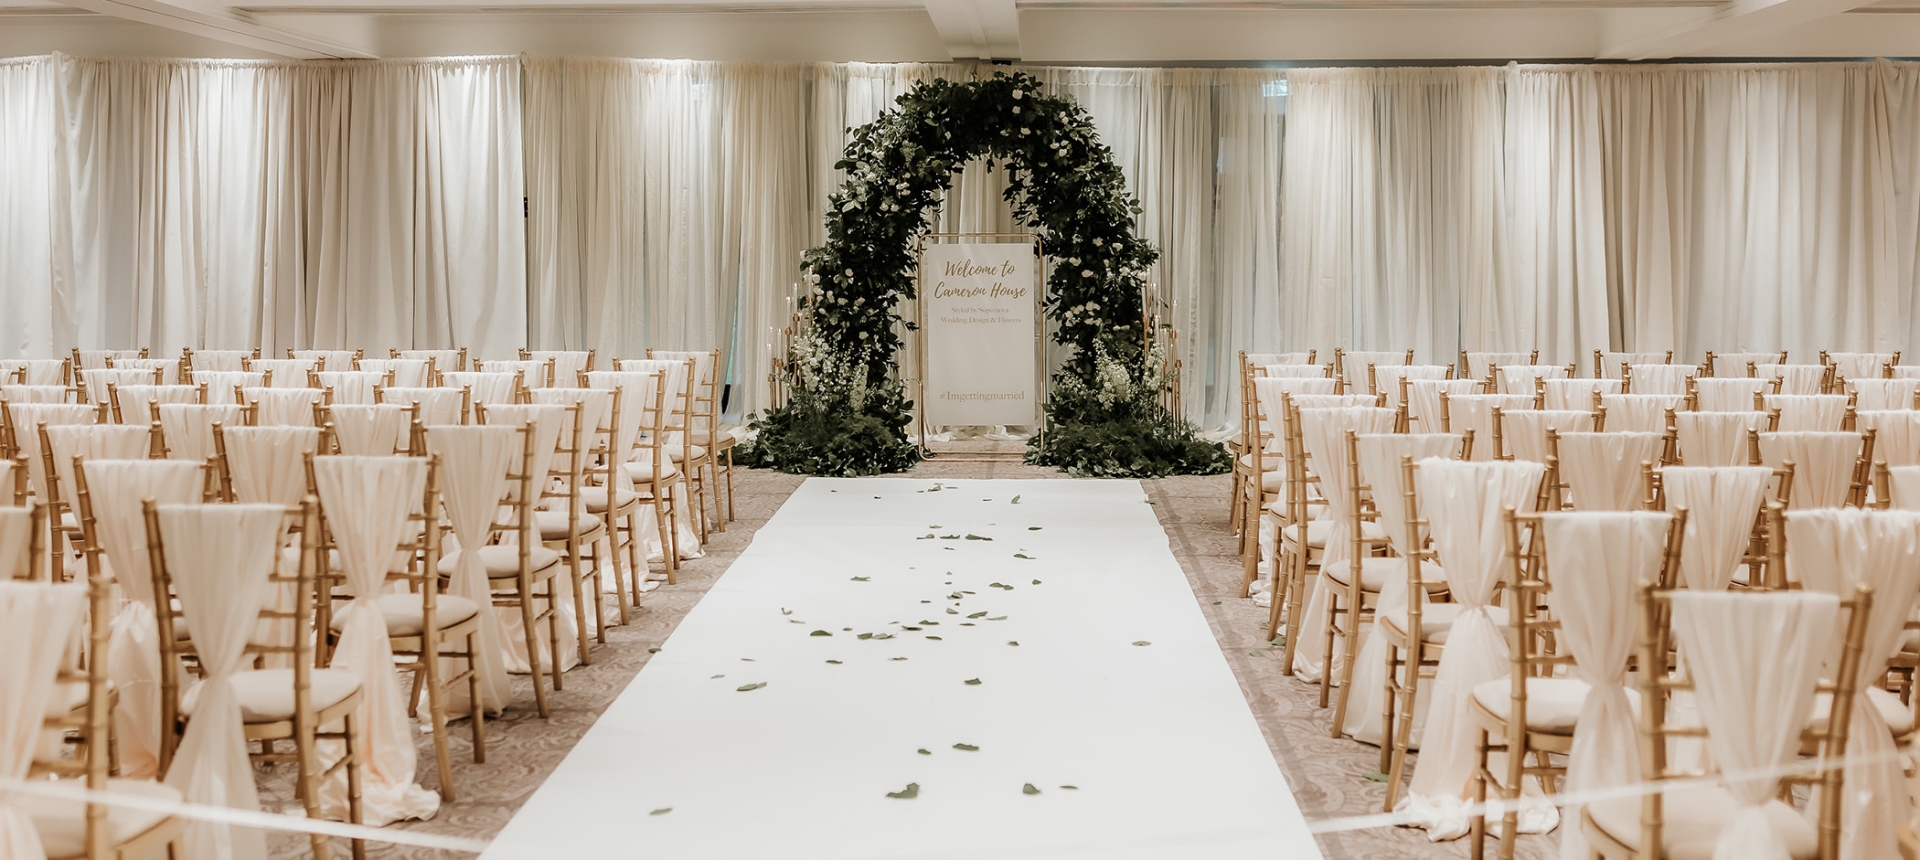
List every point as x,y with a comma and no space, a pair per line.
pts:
1270,462
1553,704
697,452
1317,531
1693,818
553,525
62,823
266,695
406,616
595,498
642,470
1377,571
67,697
503,560
1899,717
1436,620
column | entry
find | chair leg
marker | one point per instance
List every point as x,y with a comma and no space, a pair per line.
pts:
1250,551
670,542
1296,605
1386,705
1477,834
1403,733
531,630
599,585
308,772
1352,638
353,783
478,710
730,508
621,572
553,633
579,600
1326,648
436,712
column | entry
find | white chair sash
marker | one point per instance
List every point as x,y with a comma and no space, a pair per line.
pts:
98,379
1258,359
1823,465
437,405
1464,502
1754,659
488,388
1475,412
220,557
370,431
1903,484
366,501
1423,403
1659,378
40,371
1722,503
636,398
36,619
1524,432
224,360
94,442
1596,561
1577,393
568,364
282,406
221,384
133,400
26,419
533,374
1323,432
407,372
1379,460
1728,395
328,359
444,360
1602,470
1292,371
187,428
16,537
169,368
1480,365
1833,551
1817,413
1859,365
116,490
1640,413
1270,392
677,380
351,386
1386,378
287,372
474,462
36,394
1728,365
1611,362
1876,394
268,464
1896,438
1795,378
1354,364
1519,378
1716,438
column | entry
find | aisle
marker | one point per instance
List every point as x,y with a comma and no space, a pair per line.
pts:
1156,737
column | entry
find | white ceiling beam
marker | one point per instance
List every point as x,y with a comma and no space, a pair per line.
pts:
1737,19
977,29
225,26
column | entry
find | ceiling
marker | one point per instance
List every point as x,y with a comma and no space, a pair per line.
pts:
1086,32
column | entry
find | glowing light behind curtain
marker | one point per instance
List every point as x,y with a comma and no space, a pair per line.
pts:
213,203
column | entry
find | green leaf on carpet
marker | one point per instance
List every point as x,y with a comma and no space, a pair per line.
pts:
1142,642
980,614
949,537
1029,789
863,579
1374,775
1071,787
1013,643
1023,555
898,659
936,639
930,623
927,537
866,636
923,752
1279,640
834,662
819,633
910,792
973,682
1216,603
661,811
913,628
971,536
966,747
951,611
1016,500
653,650
785,611
716,676
1033,528
968,624
883,635
748,688
998,618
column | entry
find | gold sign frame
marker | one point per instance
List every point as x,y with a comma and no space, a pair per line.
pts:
1041,341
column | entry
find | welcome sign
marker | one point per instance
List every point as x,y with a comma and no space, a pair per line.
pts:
979,334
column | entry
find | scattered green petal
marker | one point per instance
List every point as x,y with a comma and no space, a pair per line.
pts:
746,659
1035,582
1279,640
1374,775
971,536
998,618
883,635
910,792
951,611
973,682
936,638
927,537
819,633
966,747
1071,787
661,811
747,688
653,650
862,579
1016,500
898,659
913,628
1033,528
923,752
1029,789
981,614
785,611
1216,603
1013,643
716,676
834,662
866,636
795,621
1142,642
1023,555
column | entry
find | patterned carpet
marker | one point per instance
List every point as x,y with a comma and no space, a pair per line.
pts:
1328,775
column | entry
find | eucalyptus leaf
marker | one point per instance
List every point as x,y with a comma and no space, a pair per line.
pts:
661,811
1142,642
834,662
748,688
973,682
1023,555
862,579
910,792
966,747
1013,643
1029,789
978,615
819,633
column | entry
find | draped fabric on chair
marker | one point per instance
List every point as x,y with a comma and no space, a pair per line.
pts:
92,442
1904,486
1823,465
25,417
370,431
1602,470
188,428
1524,432
1480,365
1716,438
1640,413
1876,394
1896,438
115,491
221,384
350,386
219,557
437,405
1519,379
1817,413
1722,503
407,372
267,464
1380,467
1832,551
40,371
284,407
132,401
16,535
1728,395
473,479
1475,412
1324,434
1754,659
1859,365
1597,562
488,388
1464,503
36,393
35,620
1577,393
1386,378
1794,378
366,501
1423,404
1659,378
1611,362
1353,364
545,423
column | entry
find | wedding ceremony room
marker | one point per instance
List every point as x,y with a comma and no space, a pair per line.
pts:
960,429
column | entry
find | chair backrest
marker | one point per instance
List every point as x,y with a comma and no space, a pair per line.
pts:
1524,378
94,382
1879,394
265,465
1860,365
1521,434
1638,413
484,387
1351,366
548,423
1481,365
63,444
1830,469
358,387
1459,413
1716,438
568,364
1726,365
169,369
1823,413
108,496
1725,508
328,359
1606,471
227,360
404,372
1386,379
1727,394
1794,378
36,371
223,386
186,429
371,431
437,405
1422,399
1299,371
1660,378
1613,365
444,360
23,543
285,407
133,404
534,375
1574,393
39,394
1257,359
94,359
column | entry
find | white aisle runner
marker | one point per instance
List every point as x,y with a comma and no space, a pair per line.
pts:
1116,688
